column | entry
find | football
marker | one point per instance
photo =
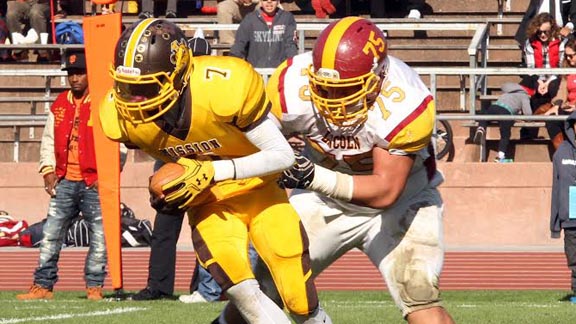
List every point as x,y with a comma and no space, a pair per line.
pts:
168,172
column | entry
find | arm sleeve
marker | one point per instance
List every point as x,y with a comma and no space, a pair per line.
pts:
274,156
47,156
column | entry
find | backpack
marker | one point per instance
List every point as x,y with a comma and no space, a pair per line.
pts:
69,32
78,233
10,229
135,232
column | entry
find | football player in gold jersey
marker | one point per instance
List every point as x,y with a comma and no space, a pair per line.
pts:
210,114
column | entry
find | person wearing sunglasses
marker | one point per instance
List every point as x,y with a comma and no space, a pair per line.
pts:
544,48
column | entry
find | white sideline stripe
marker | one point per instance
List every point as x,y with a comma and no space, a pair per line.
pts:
385,303
65,316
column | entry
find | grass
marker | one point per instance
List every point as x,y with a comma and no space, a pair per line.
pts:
349,307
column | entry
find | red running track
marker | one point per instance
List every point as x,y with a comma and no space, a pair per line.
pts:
462,270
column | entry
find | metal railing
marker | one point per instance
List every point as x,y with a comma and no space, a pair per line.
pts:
18,121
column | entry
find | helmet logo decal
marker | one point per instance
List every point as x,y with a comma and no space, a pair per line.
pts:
128,71
374,45
177,47
328,73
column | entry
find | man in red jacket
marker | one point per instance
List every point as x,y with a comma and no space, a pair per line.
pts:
68,165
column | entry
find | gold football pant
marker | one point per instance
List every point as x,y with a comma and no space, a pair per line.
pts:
221,232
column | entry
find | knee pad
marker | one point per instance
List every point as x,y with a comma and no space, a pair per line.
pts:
421,286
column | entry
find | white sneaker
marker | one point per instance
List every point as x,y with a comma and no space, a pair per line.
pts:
414,14
194,298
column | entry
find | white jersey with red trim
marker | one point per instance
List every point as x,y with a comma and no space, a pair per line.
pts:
400,121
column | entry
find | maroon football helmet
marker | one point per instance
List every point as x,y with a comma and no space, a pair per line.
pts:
349,65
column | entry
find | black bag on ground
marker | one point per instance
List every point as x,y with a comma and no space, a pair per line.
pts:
135,232
78,233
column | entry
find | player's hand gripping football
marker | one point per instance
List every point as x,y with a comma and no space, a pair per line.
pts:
197,176
300,175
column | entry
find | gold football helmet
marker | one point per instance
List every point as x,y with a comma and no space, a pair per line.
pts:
349,65
152,65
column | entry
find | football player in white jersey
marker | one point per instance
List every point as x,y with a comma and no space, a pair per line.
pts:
368,177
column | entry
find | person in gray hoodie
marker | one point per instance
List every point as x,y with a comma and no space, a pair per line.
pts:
266,37
515,100
563,207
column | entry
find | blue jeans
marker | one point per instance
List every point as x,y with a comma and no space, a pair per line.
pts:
207,286
72,197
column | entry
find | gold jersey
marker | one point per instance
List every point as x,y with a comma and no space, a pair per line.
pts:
225,98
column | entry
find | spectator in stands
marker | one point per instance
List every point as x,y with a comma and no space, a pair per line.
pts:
148,9
563,11
565,101
544,48
514,100
232,12
165,234
563,213
68,165
35,15
266,37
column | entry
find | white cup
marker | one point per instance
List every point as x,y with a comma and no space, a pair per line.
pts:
44,38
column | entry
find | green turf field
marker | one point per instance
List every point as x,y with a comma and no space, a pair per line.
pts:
538,307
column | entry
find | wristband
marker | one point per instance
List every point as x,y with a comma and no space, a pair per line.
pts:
332,183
